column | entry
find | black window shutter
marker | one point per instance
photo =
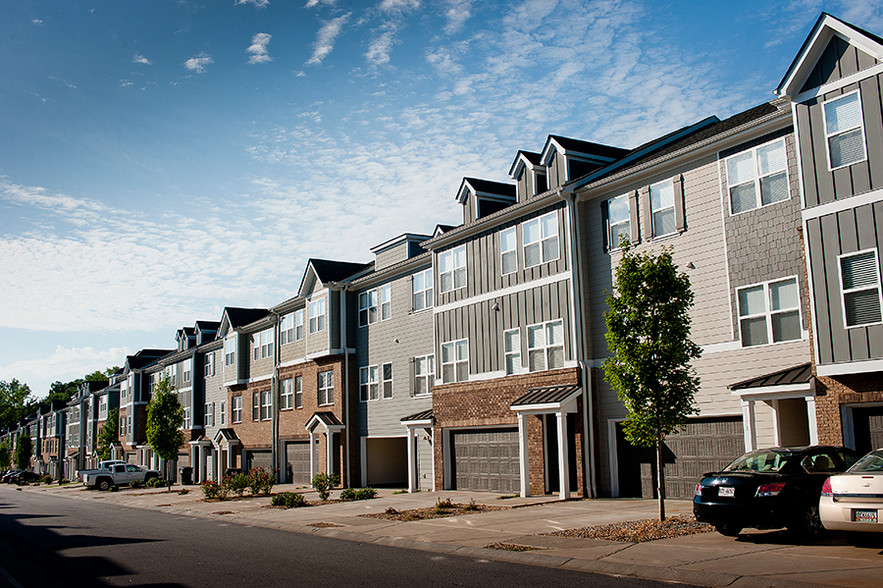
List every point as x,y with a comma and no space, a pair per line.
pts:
605,229
410,294
412,376
646,212
634,226
680,220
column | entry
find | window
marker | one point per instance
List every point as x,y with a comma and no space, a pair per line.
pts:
188,369
210,364
385,302
209,414
455,361
662,208
256,406
236,409
298,324
367,308
769,312
263,344
326,388
540,238
452,269
122,427
369,387
386,371
286,329
618,220
298,392
421,289
230,351
424,374
317,315
512,350
545,346
758,177
223,413
508,253
860,284
286,394
844,130
266,405
186,424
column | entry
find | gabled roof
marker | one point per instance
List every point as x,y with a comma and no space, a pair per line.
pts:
207,326
522,159
239,317
146,357
328,271
584,150
815,44
486,188
441,229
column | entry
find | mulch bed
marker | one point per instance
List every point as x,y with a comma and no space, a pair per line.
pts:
450,509
511,547
325,525
639,531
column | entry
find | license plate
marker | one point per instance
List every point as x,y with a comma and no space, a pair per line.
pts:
864,516
727,491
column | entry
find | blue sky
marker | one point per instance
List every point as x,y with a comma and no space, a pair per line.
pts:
161,160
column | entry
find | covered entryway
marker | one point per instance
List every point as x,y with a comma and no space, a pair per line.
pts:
333,429
862,426
421,474
297,456
226,441
386,461
485,459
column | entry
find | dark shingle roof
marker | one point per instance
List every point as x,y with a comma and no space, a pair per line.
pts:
208,325
491,187
589,148
335,271
800,374
418,416
239,317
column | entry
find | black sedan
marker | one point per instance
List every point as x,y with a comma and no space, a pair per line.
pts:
770,489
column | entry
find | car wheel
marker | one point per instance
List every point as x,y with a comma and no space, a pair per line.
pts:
104,485
808,525
728,529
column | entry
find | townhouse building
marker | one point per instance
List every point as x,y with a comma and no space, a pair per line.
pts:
51,447
104,401
833,88
134,396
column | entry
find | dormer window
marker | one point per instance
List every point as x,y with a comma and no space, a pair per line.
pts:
542,184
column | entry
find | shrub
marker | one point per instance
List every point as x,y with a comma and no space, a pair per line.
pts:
288,500
348,494
366,494
471,506
157,483
236,483
260,481
442,506
323,483
63,481
214,491
47,479
114,488
136,484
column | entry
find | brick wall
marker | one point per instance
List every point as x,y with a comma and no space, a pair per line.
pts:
831,392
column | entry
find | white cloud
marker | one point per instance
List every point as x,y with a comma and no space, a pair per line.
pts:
314,3
255,3
459,12
399,5
138,58
37,21
258,48
197,64
380,47
326,37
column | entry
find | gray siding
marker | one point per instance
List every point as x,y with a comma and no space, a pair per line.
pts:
318,342
827,237
840,59
392,256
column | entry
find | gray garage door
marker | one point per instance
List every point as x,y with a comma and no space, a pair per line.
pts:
260,459
486,459
704,445
298,455
868,423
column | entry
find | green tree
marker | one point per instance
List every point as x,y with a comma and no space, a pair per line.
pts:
5,457
16,402
165,416
648,335
23,451
107,436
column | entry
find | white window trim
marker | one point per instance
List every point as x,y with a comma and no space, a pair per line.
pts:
539,221
385,296
653,211
769,312
323,391
513,250
209,366
844,292
299,324
222,412
507,354
546,347
286,394
236,409
286,329
453,271
861,126
454,363
757,178
263,344
298,382
369,379
428,377
318,311
427,291
384,381
614,245
230,351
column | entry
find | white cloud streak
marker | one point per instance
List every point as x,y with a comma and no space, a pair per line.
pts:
138,58
325,39
197,64
255,3
64,365
258,49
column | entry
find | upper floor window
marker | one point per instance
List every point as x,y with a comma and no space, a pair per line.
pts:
385,302
545,346
769,313
222,412
188,369
386,373
758,177
844,130
263,344
662,208
209,414
421,290
299,324
369,387
512,350
424,373
508,253
209,368
317,315
298,392
236,409
187,423
286,394
540,239
286,329
375,305
455,361
230,351
452,268
262,406
326,388
618,220
860,285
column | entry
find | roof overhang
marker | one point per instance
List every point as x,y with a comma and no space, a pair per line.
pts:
327,420
794,382
424,418
548,399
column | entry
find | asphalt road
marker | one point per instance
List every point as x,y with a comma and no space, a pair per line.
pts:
51,541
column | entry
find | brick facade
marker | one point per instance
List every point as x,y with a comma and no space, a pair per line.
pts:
834,391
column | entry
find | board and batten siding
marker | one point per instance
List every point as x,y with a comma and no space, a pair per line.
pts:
397,340
318,342
838,60
829,236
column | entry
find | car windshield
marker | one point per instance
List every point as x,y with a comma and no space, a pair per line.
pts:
759,461
872,462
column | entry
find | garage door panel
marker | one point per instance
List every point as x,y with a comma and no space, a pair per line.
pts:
486,460
298,456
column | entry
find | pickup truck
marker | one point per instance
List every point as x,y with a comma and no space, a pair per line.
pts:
120,474
103,466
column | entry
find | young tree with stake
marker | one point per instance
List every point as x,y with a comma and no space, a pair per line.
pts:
165,416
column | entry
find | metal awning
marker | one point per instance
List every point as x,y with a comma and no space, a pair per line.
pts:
795,382
424,417
548,399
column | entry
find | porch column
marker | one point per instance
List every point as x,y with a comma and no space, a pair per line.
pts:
563,469
329,452
229,456
312,456
200,464
811,420
412,458
748,425
523,457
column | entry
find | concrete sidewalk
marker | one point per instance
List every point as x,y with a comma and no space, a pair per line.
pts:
708,559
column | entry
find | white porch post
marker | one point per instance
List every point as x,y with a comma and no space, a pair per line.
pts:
523,456
748,425
200,464
229,456
412,459
811,420
563,470
312,457
329,452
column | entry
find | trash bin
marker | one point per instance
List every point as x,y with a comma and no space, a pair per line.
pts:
186,475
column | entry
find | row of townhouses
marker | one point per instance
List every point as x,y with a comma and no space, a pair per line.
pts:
470,358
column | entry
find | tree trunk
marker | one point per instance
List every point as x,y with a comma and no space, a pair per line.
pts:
660,479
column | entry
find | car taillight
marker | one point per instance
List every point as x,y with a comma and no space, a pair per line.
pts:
826,488
770,489
698,489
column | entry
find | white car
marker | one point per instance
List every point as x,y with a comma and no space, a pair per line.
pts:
853,501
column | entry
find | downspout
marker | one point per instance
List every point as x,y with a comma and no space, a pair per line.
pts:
274,395
346,388
585,370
